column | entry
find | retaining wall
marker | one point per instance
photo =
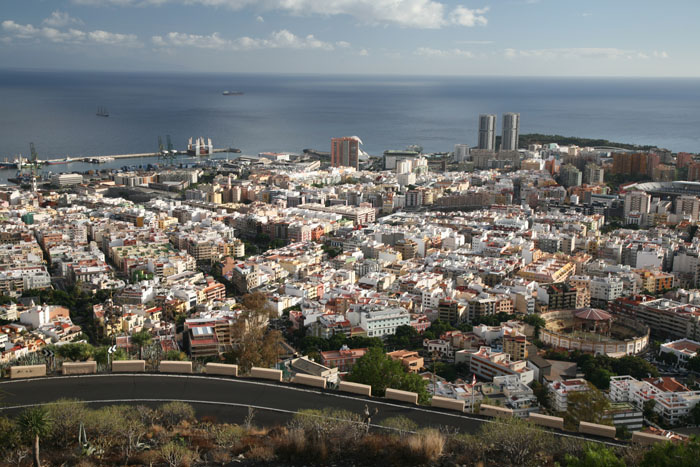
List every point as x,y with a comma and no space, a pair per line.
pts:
308,380
266,373
27,371
447,403
546,420
128,366
79,368
403,396
356,388
222,369
167,366
596,429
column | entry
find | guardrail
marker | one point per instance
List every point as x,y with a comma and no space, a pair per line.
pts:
220,369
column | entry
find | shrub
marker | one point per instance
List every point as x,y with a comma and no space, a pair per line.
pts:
176,455
227,436
426,446
67,415
173,413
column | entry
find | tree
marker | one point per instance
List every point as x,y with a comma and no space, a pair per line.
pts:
255,344
671,454
35,423
513,441
141,339
693,364
649,411
601,378
378,370
595,455
586,406
694,415
175,355
668,358
75,351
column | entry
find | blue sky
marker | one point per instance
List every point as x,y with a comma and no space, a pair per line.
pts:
418,37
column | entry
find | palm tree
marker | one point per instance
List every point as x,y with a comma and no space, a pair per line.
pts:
142,339
36,423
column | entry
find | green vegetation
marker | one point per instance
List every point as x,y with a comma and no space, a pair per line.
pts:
538,138
586,406
78,302
615,180
141,339
599,368
76,352
35,423
378,370
170,434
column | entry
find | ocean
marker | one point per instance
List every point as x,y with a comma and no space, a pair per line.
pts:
56,111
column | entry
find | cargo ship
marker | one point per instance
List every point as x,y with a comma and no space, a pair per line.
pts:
200,147
232,93
102,112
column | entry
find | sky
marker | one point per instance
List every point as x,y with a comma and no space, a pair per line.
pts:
641,38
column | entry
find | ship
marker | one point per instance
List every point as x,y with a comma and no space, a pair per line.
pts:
232,93
200,147
102,112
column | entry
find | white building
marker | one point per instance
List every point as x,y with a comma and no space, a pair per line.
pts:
674,401
379,321
605,289
681,348
560,391
487,363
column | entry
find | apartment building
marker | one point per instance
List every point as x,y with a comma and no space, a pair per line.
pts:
560,391
674,401
488,363
343,359
665,318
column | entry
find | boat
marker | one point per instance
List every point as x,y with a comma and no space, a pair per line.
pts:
232,93
102,112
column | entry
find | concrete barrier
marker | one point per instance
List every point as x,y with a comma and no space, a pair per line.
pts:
79,368
494,411
308,380
222,369
647,439
168,366
27,371
403,396
128,366
596,429
447,403
356,388
266,373
546,420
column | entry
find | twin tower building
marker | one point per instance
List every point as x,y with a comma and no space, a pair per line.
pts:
509,138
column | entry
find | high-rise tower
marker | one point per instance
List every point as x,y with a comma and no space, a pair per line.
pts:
511,132
487,132
345,152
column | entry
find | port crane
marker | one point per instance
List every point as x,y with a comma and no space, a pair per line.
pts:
31,167
166,153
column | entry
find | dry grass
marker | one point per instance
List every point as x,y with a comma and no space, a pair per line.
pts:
426,446
261,453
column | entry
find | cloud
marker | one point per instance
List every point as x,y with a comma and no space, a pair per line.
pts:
470,18
60,19
18,31
363,52
260,19
474,42
610,53
422,14
430,52
282,39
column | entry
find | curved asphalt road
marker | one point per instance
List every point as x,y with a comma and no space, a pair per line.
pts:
223,399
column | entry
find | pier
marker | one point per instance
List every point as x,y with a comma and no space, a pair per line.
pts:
107,158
